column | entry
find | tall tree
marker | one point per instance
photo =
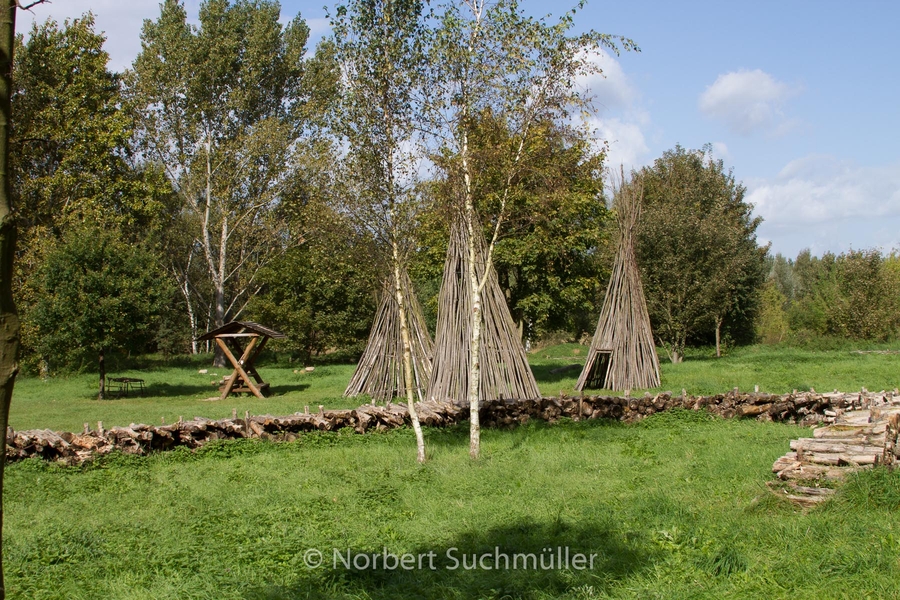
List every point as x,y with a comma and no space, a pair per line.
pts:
379,46
227,107
491,58
70,159
549,257
697,248
9,318
70,142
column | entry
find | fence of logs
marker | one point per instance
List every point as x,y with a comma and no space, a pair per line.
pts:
806,408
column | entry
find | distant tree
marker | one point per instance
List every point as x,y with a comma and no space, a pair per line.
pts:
772,324
850,295
70,141
321,294
549,258
229,108
697,249
70,158
97,294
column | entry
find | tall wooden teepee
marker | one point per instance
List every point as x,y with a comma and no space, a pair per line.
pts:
380,370
622,355
504,366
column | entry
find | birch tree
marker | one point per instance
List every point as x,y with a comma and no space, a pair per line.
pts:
379,49
489,58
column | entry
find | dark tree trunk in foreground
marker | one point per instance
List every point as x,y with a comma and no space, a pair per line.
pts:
9,319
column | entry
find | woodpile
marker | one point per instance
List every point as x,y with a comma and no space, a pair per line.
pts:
861,431
848,441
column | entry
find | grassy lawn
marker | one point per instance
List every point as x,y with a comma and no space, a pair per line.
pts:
673,507
173,391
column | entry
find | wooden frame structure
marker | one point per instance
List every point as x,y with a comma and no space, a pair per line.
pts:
505,372
379,372
623,354
245,378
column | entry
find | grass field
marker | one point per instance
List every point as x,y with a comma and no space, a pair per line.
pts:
173,391
672,507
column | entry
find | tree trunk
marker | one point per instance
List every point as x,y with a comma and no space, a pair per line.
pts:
9,318
408,378
219,356
718,337
475,289
102,362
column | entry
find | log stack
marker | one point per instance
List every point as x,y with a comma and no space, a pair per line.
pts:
859,432
807,408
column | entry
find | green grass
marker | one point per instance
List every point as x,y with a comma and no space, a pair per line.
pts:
775,369
173,391
674,507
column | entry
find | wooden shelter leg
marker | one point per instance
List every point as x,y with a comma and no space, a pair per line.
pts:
249,362
239,369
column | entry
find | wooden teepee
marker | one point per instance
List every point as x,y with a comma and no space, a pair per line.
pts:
380,370
622,355
504,366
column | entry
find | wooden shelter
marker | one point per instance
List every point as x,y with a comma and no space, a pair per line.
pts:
231,338
622,354
505,372
379,372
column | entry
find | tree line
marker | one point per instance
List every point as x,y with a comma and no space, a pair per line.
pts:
235,173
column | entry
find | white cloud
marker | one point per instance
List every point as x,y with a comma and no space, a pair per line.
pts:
611,88
120,21
825,203
627,146
620,122
748,102
720,151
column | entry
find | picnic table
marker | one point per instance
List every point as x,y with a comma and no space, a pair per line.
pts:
120,386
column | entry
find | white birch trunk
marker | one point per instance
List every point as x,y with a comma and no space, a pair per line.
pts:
407,358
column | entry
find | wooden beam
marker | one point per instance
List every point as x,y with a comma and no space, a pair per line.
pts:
238,369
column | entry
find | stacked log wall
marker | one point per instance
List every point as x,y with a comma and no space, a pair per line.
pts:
806,408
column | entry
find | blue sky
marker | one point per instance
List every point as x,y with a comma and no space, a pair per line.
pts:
800,97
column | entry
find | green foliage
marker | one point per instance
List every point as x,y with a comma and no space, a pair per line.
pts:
94,292
550,259
700,264
321,294
772,322
230,110
847,296
69,146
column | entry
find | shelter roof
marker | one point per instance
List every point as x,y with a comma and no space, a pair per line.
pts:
245,327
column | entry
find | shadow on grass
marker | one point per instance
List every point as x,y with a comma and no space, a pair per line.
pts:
545,374
281,389
523,559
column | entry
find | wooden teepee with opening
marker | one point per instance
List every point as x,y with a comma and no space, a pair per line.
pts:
504,366
622,355
380,370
